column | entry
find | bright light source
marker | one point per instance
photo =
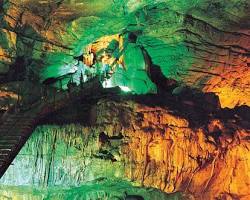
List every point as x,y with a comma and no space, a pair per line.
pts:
107,84
125,89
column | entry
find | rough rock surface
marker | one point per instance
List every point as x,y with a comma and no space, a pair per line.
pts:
187,145
154,146
201,43
166,152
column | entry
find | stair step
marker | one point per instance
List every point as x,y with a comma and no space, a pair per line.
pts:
8,136
5,152
6,126
25,127
6,149
14,137
9,141
3,133
6,140
1,163
16,133
9,121
16,116
22,125
6,122
24,122
14,119
7,146
2,159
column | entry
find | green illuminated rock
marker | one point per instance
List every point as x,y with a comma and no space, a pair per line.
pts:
65,163
190,41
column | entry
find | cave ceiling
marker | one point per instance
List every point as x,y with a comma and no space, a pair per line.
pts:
199,43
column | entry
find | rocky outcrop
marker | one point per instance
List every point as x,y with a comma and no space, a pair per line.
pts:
202,44
163,150
188,144
153,146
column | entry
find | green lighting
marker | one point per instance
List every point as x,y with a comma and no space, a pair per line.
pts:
107,84
125,89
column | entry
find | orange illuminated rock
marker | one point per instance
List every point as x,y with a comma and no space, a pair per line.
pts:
164,151
232,86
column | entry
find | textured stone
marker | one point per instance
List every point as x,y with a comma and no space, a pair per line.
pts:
153,146
199,43
194,147
168,154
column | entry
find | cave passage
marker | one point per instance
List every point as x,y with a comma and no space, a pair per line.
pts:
124,100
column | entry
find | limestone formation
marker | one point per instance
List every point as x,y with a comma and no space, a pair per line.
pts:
189,132
152,146
199,43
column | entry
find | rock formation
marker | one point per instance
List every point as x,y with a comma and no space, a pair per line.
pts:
190,136
153,146
202,44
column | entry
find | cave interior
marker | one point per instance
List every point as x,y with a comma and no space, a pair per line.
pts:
125,99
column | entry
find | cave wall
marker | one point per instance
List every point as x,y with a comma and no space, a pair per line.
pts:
152,146
67,162
65,156
199,43
165,151
202,44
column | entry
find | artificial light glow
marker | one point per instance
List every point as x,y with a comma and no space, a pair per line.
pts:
125,89
107,84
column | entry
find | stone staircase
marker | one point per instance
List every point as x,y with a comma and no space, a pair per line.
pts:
14,132
16,127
